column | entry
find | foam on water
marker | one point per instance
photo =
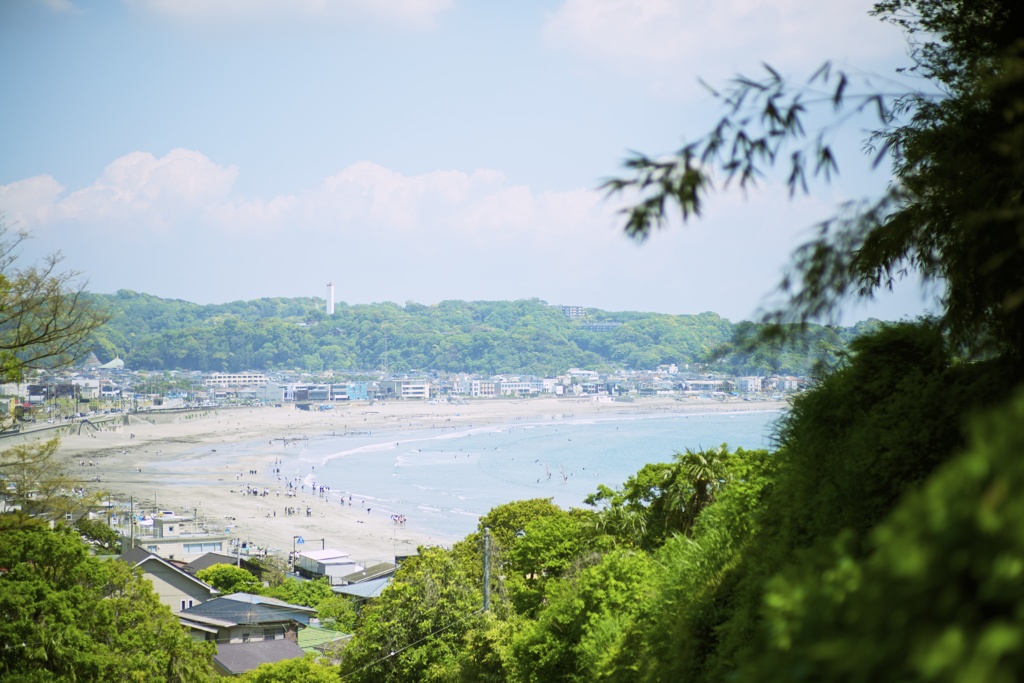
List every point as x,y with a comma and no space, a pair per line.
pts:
443,480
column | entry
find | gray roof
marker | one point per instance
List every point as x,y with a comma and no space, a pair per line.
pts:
209,559
236,658
374,571
364,589
243,608
137,557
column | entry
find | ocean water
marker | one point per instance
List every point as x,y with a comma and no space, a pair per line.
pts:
442,481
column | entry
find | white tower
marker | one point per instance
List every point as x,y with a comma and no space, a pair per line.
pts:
330,298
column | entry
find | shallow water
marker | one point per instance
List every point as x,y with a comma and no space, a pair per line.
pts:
443,481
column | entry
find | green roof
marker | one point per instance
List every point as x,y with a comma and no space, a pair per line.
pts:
313,637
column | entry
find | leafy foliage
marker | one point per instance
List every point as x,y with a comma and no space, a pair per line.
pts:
937,595
954,212
227,578
413,631
37,482
487,337
66,616
94,531
296,592
45,316
305,669
663,498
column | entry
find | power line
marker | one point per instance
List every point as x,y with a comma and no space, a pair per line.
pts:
415,642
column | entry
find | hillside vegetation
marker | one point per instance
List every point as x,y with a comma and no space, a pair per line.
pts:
485,337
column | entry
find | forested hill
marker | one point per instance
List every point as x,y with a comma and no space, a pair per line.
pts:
487,337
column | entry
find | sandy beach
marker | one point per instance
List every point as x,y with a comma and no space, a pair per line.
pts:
191,462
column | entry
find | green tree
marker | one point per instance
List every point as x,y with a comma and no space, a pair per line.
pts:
37,482
953,214
296,592
337,613
583,622
227,578
301,670
45,316
102,536
414,630
663,498
936,597
66,616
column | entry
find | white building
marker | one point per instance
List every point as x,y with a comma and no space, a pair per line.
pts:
235,379
748,384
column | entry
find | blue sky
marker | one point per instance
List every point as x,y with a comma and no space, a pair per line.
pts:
214,150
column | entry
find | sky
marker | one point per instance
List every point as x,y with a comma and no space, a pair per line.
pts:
409,150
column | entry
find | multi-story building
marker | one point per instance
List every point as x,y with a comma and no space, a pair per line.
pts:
235,379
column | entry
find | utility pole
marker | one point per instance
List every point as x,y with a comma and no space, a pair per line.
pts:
487,569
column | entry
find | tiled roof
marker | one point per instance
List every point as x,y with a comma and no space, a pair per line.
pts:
236,658
242,608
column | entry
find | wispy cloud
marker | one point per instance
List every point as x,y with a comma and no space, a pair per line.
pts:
177,226
672,42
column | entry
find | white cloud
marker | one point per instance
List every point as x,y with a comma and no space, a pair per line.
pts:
29,202
139,190
175,226
414,12
673,42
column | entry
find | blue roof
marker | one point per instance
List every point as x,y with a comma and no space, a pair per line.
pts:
364,589
243,608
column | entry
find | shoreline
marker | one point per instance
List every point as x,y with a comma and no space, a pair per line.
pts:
201,462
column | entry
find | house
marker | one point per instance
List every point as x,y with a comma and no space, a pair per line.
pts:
209,559
375,571
245,618
749,384
234,659
405,389
364,590
329,562
172,536
177,589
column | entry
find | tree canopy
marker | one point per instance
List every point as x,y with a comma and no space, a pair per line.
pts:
67,616
953,212
486,337
45,315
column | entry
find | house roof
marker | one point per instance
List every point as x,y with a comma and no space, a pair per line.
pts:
327,554
209,621
140,558
313,637
374,571
209,559
135,555
243,608
364,589
195,624
236,658
264,600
